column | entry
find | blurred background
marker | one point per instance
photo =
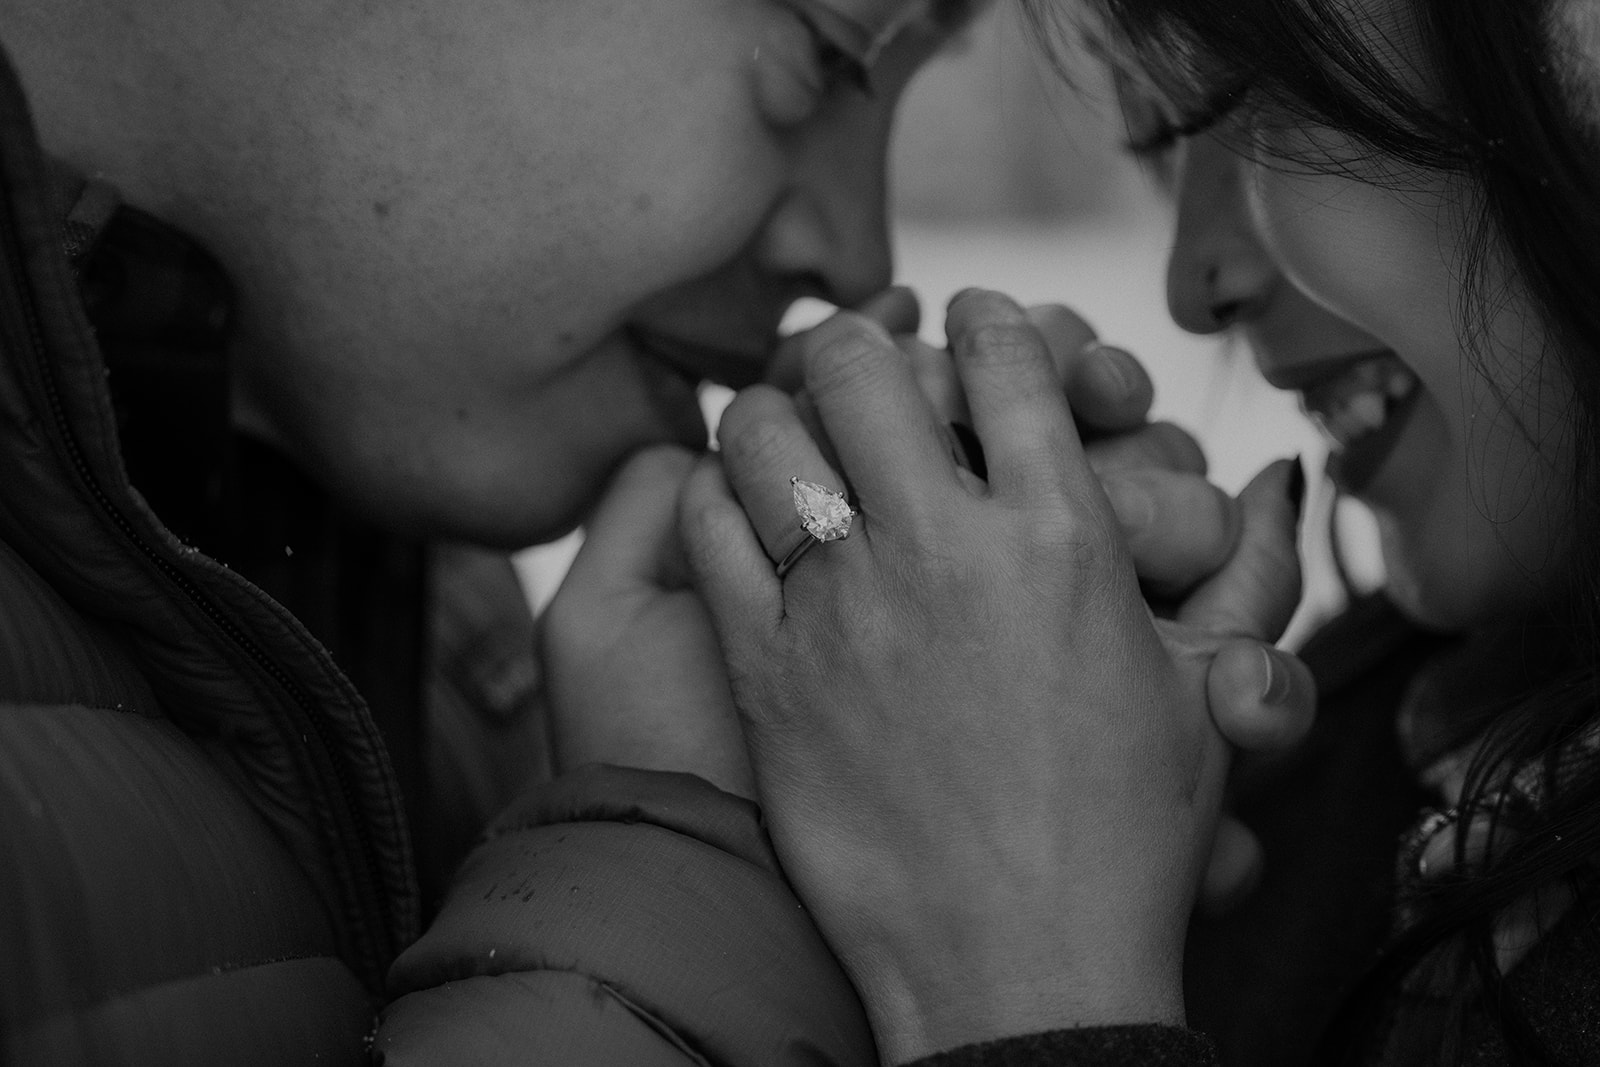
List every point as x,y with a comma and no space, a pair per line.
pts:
1005,176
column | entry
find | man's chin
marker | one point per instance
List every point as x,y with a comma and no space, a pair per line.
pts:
502,519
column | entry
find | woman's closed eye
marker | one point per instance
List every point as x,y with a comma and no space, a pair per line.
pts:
1152,133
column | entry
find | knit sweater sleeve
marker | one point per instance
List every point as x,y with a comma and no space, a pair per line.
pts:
1095,1046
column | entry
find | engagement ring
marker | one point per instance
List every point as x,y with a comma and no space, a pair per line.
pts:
824,516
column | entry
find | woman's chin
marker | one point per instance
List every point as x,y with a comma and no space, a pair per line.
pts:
1424,586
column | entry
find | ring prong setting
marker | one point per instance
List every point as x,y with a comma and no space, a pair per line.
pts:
824,514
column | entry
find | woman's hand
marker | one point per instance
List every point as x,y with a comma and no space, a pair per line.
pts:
1180,529
990,772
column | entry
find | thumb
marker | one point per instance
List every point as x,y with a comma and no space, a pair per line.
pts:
1258,588
631,540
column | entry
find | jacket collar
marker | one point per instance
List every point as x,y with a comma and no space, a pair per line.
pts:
227,660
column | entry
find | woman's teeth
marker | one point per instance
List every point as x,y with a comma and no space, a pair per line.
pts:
1361,400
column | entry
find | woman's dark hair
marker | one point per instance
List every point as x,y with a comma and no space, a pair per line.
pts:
1493,113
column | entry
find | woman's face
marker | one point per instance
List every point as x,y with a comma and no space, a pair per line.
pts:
1348,288
486,250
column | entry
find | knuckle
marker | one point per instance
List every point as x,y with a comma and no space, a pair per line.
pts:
755,445
936,566
975,306
750,407
1001,344
846,360
1082,537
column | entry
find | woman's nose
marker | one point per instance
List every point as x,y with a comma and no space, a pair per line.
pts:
830,229
1217,273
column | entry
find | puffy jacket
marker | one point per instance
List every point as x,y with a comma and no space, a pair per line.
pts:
205,858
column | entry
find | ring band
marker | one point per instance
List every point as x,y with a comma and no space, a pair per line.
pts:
795,553
824,516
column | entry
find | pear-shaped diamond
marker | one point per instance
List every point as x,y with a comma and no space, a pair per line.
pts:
824,513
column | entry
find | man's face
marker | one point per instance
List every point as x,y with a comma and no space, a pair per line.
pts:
487,248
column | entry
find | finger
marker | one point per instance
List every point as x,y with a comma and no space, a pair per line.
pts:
936,377
1156,444
1257,590
764,444
632,536
896,309
1015,396
806,410
935,373
1262,699
730,569
890,446
1108,389
1233,870
1066,333
783,371
1179,528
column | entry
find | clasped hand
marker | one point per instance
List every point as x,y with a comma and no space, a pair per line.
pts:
971,680
988,768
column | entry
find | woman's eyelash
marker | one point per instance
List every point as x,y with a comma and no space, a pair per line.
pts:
1165,134
838,66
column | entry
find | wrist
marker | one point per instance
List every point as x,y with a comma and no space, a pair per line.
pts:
931,993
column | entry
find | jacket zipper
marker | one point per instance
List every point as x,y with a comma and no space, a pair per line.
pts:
374,892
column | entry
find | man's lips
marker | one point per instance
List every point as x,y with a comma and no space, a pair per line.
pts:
700,361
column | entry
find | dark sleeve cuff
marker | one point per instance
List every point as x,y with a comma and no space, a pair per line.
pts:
1092,1046
623,913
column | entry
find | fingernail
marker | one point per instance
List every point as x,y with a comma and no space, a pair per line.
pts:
1135,507
895,308
1111,369
968,291
1439,855
1297,487
1276,691
969,450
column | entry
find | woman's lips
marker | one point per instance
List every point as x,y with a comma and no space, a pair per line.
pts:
1362,402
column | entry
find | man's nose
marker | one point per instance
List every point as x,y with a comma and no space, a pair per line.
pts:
1218,273
831,229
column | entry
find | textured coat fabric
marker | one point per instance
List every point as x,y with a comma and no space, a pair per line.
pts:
623,916
204,858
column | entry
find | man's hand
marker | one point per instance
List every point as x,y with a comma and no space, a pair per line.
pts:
635,674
